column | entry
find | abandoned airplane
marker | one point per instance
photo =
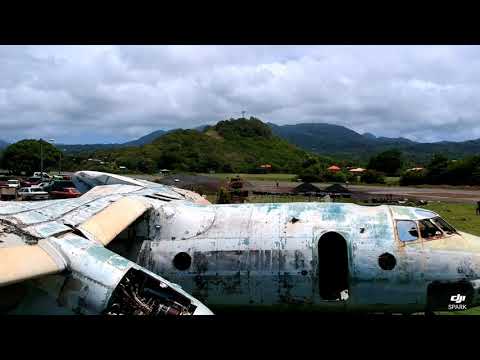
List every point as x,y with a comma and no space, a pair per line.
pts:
110,246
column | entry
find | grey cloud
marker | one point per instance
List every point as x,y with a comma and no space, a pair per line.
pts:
116,93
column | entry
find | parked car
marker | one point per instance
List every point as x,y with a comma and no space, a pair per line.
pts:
58,185
35,179
8,193
44,185
65,193
32,193
39,174
13,183
31,181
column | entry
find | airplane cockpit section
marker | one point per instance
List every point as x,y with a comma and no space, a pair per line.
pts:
410,231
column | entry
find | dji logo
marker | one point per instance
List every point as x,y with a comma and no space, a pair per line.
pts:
457,299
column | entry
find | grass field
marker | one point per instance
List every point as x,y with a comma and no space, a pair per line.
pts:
461,216
389,181
392,180
259,177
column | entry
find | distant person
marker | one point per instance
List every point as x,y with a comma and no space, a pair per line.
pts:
478,208
277,184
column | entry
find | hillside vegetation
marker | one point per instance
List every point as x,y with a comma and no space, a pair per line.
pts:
339,141
235,145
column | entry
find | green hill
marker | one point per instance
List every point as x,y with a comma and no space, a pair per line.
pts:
339,141
240,145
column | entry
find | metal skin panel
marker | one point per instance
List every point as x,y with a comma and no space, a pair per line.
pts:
94,273
107,224
19,263
267,254
89,271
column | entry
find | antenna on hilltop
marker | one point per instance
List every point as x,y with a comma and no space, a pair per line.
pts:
243,114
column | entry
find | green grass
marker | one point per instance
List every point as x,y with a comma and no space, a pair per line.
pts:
392,180
389,181
461,216
260,177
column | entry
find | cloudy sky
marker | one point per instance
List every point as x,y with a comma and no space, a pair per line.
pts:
90,94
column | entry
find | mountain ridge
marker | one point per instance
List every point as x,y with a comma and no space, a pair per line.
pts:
322,139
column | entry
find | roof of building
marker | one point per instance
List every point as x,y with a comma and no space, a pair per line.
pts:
357,170
336,188
306,188
333,167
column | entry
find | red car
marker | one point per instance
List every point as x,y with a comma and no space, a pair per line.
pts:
65,193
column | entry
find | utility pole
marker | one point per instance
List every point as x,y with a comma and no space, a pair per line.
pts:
41,156
41,159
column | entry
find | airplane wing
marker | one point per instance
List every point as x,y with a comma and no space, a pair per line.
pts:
86,180
68,238
19,263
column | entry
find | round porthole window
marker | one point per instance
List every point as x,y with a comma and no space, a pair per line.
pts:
387,261
182,261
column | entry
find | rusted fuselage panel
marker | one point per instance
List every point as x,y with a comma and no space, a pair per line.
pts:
67,238
267,254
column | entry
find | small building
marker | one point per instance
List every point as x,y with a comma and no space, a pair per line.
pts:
264,168
164,172
338,191
357,170
416,169
334,169
307,188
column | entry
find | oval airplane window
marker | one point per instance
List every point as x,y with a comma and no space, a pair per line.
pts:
407,230
387,261
182,261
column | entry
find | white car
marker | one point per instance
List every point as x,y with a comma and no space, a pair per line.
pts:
39,174
13,183
33,193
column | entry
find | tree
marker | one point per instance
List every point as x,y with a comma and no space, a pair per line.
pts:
372,177
413,178
389,162
25,156
312,173
223,196
437,169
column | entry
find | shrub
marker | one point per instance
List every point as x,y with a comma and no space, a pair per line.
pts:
372,177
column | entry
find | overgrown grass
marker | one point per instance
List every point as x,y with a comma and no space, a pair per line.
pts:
461,216
389,181
392,180
259,177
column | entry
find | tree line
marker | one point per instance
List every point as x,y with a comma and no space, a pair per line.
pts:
238,146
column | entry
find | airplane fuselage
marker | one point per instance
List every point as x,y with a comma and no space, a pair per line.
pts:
308,255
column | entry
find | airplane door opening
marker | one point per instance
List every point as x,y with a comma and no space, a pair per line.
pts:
333,266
